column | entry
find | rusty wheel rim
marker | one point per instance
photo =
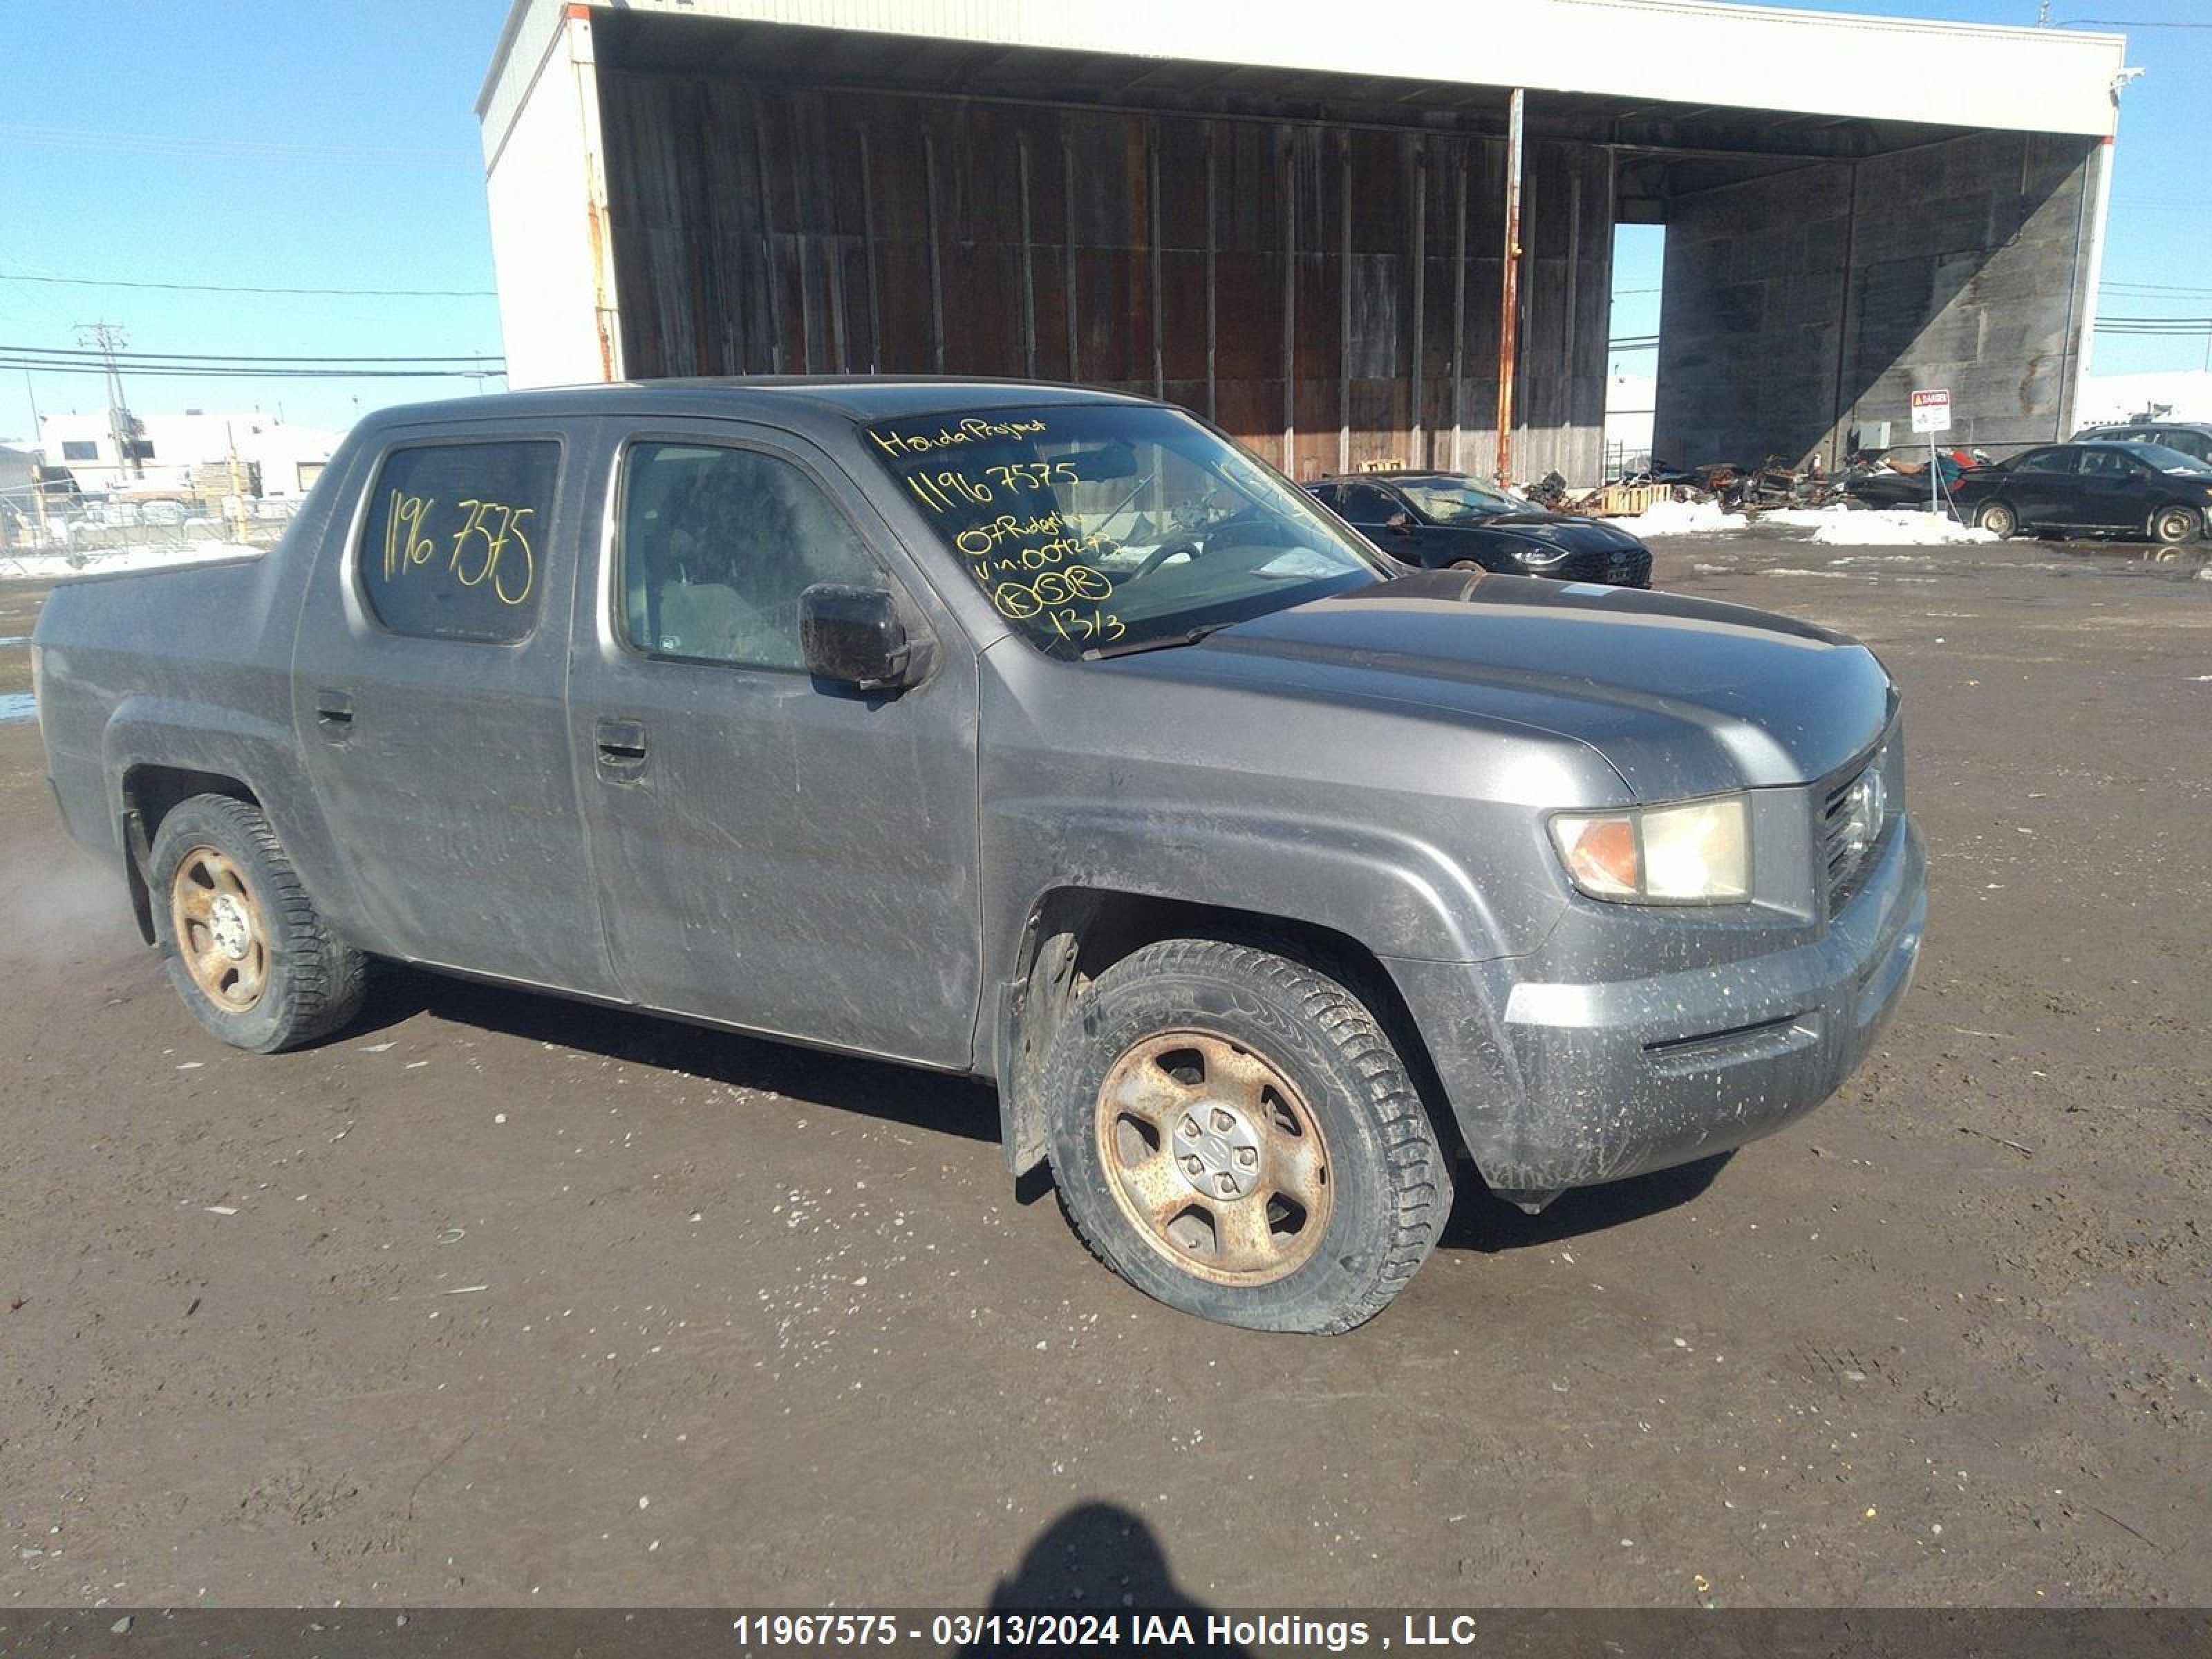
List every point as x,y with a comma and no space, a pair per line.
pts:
1214,1158
218,923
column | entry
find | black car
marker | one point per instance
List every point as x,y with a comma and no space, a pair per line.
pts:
2192,438
2105,489
1446,518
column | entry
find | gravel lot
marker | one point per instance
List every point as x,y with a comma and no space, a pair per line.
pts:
499,1300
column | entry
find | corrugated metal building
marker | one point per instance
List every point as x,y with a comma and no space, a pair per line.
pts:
1294,218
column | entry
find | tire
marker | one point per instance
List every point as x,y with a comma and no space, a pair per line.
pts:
242,943
2172,525
1347,1188
1999,520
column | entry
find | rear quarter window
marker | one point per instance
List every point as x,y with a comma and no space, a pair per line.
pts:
451,546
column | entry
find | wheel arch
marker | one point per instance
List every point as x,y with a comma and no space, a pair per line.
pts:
148,792
1073,934
158,752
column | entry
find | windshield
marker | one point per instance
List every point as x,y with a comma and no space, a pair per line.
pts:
1104,528
1457,501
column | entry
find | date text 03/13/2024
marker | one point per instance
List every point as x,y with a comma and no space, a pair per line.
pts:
1294,1632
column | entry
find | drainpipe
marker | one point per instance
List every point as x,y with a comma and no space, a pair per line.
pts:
1508,297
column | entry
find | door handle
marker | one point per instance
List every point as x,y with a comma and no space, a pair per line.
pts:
621,750
333,714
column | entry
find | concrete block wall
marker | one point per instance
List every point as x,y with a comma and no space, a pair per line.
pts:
1801,304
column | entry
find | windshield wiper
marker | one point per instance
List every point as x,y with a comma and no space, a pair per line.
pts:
1131,647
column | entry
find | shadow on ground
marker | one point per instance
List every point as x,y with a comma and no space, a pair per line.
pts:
1100,1558
1481,1221
899,1094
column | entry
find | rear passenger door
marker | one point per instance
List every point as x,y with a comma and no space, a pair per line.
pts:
793,858
2042,486
428,677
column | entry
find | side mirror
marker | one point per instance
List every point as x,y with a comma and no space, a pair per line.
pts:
855,637
1400,523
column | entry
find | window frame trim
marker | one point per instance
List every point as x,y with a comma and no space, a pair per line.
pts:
357,581
616,612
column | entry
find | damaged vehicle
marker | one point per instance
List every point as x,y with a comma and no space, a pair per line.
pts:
2102,489
1036,734
1450,521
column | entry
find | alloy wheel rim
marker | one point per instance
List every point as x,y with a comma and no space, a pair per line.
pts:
218,923
1214,1158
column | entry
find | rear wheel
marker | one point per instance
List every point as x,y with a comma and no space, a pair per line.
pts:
1999,520
245,946
1233,1132
2175,525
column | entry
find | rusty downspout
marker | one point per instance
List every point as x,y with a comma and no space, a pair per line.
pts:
1509,294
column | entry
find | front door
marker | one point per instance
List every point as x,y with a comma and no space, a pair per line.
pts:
1371,510
2114,490
774,853
427,701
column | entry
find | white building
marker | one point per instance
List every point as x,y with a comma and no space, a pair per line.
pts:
171,449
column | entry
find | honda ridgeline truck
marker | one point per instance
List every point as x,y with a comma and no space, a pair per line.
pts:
1033,733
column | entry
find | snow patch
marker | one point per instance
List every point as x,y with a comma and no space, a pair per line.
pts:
1890,527
1679,518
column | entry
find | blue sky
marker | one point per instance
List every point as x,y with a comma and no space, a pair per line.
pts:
271,143
323,144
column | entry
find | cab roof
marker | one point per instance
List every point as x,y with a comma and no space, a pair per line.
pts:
854,397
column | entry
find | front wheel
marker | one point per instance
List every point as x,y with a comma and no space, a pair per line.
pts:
2000,520
1235,1134
2175,525
244,947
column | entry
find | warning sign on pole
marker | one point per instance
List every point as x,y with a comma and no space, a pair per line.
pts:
1931,411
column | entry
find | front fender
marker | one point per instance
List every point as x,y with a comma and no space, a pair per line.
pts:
1395,893
1392,893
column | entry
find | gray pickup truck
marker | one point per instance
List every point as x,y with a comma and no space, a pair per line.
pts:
1033,733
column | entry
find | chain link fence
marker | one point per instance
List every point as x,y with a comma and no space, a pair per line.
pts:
43,533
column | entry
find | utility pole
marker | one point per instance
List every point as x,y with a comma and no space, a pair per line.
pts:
237,484
1508,290
109,339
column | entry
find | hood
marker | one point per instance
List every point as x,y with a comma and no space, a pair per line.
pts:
1558,530
1682,696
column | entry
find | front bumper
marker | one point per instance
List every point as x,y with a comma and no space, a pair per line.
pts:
1570,1085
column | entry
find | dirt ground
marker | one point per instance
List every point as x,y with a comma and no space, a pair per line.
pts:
499,1300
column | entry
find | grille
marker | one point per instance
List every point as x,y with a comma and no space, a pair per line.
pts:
1627,567
1847,844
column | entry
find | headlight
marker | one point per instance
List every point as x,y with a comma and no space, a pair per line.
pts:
1537,554
1698,854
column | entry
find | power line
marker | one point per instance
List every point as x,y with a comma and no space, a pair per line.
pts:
255,149
44,365
243,288
225,357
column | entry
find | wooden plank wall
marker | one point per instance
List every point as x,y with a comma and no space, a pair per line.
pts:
1329,294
